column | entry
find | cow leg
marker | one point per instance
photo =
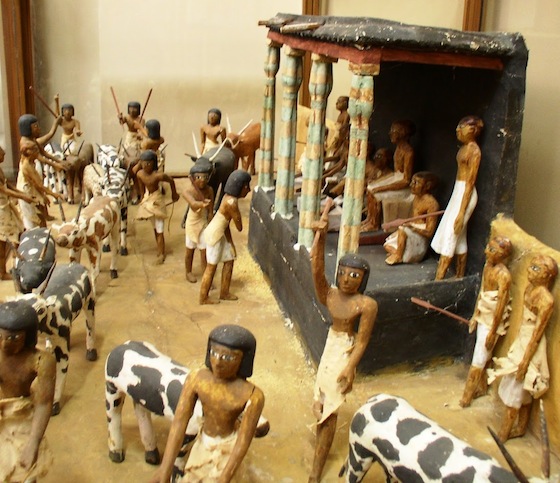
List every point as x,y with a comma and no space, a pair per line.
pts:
114,401
61,348
124,230
147,434
115,231
89,307
360,460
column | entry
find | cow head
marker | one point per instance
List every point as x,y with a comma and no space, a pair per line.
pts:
35,257
71,234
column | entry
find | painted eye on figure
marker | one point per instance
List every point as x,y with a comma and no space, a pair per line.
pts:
222,357
354,275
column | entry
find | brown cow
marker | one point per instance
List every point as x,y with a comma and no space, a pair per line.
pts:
245,144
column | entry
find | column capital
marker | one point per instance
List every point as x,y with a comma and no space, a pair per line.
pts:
294,52
364,69
273,44
323,58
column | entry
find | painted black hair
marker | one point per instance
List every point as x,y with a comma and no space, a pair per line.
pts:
237,338
67,106
20,315
24,124
153,127
236,181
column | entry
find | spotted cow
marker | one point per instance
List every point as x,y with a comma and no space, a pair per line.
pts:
412,448
154,382
97,221
69,291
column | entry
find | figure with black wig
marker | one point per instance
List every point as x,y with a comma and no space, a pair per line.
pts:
231,406
344,348
70,130
153,206
27,379
212,133
218,240
134,124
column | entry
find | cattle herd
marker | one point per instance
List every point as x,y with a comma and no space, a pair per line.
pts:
388,430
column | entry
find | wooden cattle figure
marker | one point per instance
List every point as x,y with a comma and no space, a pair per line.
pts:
154,382
91,182
34,259
76,164
69,291
97,221
245,145
413,448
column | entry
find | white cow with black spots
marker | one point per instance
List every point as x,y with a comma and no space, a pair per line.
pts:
154,382
412,448
69,292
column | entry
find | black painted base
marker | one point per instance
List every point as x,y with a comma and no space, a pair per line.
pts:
404,333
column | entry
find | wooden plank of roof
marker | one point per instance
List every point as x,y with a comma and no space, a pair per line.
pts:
375,55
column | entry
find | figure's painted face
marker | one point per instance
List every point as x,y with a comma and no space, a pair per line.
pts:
245,190
225,361
67,112
465,133
396,133
213,118
133,111
538,273
11,341
349,279
148,166
35,130
418,186
494,252
200,180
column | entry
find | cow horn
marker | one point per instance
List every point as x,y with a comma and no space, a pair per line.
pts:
101,149
46,246
14,250
108,169
218,150
196,146
78,212
119,146
510,461
228,124
244,127
41,288
62,215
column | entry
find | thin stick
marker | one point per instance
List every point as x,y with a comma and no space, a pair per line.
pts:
146,104
115,100
545,443
510,461
42,101
402,221
429,306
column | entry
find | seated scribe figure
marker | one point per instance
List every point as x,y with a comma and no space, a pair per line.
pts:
410,242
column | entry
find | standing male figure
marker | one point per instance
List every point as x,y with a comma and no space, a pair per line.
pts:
525,368
344,348
200,198
212,133
451,236
490,318
70,129
226,397
153,205
217,237
27,379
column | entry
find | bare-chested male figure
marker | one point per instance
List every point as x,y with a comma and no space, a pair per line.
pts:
212,133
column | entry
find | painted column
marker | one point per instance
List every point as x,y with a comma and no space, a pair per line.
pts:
266,166
291,82
320,86
360,108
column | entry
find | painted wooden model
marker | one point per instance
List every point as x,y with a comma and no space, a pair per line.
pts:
200,200
411,447
225,395
27,377
491,315
395,187
450,239
97,221
154,382
10,220
525,368
245,143
410,242
71,129
68,293
218,240
344,348
212,133
153,206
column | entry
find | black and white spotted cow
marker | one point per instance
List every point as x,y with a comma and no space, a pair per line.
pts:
108,156
412,448
69,291
154,382
36,255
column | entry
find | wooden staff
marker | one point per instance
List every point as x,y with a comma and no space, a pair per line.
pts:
402,221
42,101
115,101
146,103
429,306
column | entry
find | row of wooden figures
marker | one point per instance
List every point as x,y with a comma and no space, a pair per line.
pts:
386,188
27,381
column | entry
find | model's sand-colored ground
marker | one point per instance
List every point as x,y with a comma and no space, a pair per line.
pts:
155,303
